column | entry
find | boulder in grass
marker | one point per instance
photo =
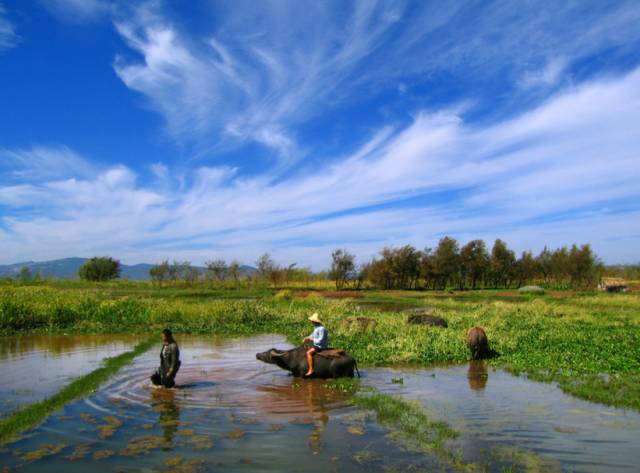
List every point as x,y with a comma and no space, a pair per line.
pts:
531,290
418,319
422,311
359,323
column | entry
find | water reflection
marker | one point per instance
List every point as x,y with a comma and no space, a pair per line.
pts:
164,402
477,375
228,406
36,366
311,397
14,347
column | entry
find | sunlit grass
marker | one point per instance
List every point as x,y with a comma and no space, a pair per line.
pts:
573,340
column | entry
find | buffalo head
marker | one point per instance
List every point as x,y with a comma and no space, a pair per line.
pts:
271,356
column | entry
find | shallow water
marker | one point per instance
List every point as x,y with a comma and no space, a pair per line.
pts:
492,408
234,413
36,366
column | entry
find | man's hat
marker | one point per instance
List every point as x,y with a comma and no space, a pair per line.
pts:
315,318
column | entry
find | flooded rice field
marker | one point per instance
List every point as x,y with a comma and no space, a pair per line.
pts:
36,366
231,412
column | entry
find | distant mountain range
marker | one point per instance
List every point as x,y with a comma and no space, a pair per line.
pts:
67,268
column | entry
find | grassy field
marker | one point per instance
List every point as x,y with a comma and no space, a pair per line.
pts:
586,342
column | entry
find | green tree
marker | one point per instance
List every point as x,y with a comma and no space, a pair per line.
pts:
342,268
428,271
24,274
503,262
474,262
584,268
526,268
217,270
447,262
559,264
406,267
544,264
100,268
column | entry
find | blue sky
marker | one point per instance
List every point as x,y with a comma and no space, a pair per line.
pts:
192,130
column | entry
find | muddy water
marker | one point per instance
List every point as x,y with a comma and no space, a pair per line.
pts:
234,413
37,366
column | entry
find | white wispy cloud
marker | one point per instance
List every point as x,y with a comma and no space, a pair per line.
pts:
40,163
553,175
549,75
8,36
78,11
266,67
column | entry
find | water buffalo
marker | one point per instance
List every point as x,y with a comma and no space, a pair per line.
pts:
295,361
478,343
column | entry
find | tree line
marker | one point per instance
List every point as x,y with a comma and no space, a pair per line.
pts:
448,265
218,272
470,266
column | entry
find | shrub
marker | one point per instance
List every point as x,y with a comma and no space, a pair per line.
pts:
101,268
284,295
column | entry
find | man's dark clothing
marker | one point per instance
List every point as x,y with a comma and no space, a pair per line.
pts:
169,365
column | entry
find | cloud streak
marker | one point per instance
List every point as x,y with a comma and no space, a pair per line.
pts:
299,60
565,171
8,36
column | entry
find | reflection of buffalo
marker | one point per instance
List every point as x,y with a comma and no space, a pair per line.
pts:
478,343
295,361
477,375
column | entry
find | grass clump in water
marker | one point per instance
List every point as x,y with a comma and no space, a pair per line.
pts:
32,415
407,420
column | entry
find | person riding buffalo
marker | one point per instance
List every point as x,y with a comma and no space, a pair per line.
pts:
169,361
319,338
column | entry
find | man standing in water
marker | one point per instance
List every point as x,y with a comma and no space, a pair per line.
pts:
169,361
319,338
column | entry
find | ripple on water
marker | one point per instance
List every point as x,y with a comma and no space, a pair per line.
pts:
245,414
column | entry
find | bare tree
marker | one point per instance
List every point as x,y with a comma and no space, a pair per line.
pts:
268,269
160,272
217,270
234,270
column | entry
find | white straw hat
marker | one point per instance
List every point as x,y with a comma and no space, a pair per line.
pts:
315,318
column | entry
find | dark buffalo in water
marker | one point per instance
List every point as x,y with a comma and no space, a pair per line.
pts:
478,343
326,365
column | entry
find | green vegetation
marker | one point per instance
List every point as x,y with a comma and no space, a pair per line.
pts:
100,268
408,421
473,266
33,414
589,343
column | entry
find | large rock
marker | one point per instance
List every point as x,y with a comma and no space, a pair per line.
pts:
360,323
531,290
420,319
